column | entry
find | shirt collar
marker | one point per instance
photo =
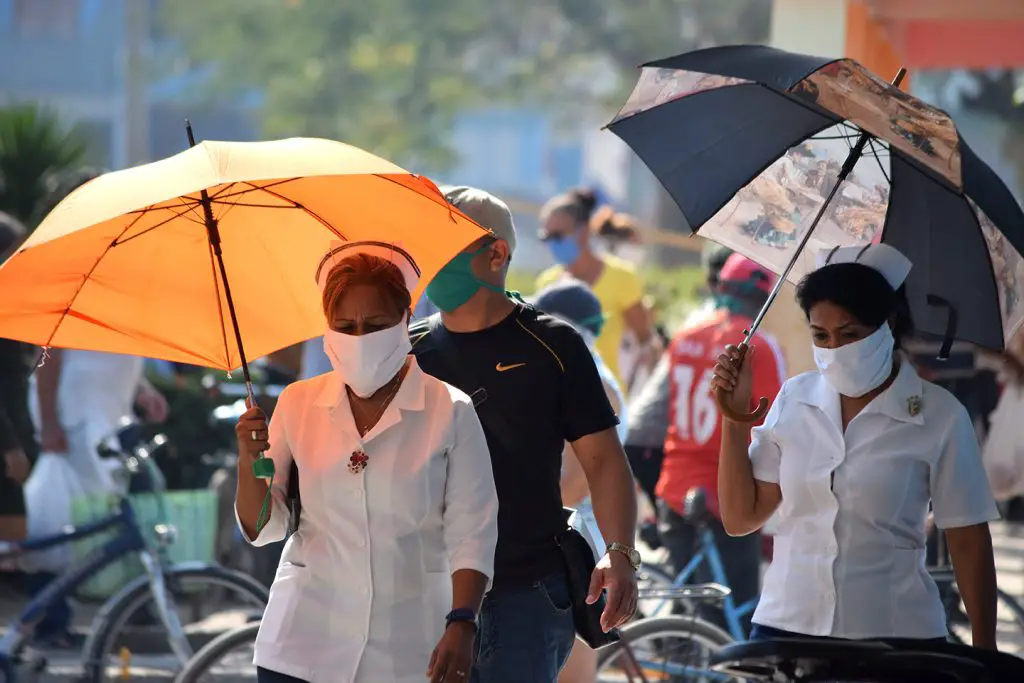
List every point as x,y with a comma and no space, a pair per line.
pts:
411,395
902,401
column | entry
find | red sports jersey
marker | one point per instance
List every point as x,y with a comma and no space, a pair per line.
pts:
695,432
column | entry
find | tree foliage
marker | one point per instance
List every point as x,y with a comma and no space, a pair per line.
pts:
390,75
35,150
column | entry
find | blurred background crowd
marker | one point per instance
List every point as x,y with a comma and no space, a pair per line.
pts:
506,96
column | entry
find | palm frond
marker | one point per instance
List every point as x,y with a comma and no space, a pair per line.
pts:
35,147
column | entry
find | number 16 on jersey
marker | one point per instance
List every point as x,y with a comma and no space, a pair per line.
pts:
696,413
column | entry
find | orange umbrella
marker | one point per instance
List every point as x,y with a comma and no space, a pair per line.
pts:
136,262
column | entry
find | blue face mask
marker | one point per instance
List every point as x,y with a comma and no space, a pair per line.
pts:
565,249
455,284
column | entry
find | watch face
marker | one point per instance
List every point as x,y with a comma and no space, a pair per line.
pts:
632,554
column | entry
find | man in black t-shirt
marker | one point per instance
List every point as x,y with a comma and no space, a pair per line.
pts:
535,386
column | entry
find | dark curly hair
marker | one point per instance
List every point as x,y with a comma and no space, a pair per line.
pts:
862,291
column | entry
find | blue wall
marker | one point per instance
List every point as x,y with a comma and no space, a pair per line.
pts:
513,152
85,61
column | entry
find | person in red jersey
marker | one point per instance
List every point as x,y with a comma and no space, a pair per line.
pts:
694,434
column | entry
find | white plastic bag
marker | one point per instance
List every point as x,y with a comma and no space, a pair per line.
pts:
1003,453
50,488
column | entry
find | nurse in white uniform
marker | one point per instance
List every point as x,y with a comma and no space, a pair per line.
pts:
851,456
384,577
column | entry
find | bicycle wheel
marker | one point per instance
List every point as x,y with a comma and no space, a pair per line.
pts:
207,601
664,649
1009,619
225,659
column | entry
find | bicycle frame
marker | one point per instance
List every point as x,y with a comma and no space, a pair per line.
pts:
708,552
128,539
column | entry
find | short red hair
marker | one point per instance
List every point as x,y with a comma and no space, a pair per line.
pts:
366,269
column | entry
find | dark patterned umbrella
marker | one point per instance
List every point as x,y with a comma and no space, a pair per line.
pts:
779,155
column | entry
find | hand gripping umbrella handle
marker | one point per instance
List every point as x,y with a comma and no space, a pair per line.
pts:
722,398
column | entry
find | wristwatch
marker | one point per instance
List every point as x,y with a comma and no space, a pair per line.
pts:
463,614
631,554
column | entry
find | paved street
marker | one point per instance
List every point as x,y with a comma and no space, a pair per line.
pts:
1009,546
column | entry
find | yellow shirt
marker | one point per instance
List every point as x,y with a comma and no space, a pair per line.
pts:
618,288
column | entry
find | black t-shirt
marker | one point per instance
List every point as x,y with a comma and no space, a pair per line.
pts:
538,377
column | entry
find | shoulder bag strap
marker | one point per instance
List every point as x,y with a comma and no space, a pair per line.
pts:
464,375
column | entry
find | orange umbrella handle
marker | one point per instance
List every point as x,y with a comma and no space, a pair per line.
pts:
722,398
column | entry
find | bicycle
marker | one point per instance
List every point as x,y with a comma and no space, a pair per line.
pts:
153,597
696,513
218,661
228,658
645,648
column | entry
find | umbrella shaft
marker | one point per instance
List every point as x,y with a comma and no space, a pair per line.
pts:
851,161
231,312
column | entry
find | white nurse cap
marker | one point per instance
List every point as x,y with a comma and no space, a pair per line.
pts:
388,251
893,265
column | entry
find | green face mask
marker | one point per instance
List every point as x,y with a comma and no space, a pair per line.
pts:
455,284
594,323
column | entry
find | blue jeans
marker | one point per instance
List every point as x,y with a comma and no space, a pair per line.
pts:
526,633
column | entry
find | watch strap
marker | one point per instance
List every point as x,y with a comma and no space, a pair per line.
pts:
631,553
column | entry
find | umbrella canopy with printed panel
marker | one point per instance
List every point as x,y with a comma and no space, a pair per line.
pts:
780,156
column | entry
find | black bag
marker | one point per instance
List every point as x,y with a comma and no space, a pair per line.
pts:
577,553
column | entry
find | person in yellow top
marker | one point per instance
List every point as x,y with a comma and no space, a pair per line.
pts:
568,223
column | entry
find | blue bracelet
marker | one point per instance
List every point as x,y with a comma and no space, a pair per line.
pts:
460,614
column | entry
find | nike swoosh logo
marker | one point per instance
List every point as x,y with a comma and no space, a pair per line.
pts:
505,368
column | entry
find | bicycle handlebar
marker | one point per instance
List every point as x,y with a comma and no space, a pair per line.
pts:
137,458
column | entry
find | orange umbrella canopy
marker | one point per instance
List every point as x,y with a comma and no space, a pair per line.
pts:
125,264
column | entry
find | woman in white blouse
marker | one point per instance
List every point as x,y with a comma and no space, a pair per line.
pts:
382,580
851,457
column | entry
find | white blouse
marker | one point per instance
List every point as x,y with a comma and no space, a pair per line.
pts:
364,585
849,558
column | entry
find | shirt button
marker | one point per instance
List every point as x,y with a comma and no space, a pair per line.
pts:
360,543
357,493
363,590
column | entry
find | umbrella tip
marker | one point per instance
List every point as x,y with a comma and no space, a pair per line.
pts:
188,131
900,75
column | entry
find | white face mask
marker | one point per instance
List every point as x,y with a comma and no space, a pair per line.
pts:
855,369
368,362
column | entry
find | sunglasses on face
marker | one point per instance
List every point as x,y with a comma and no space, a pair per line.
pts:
555,237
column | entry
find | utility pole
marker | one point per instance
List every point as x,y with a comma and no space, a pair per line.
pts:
137,39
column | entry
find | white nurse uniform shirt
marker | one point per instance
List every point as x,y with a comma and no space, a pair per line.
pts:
364,585
849,558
